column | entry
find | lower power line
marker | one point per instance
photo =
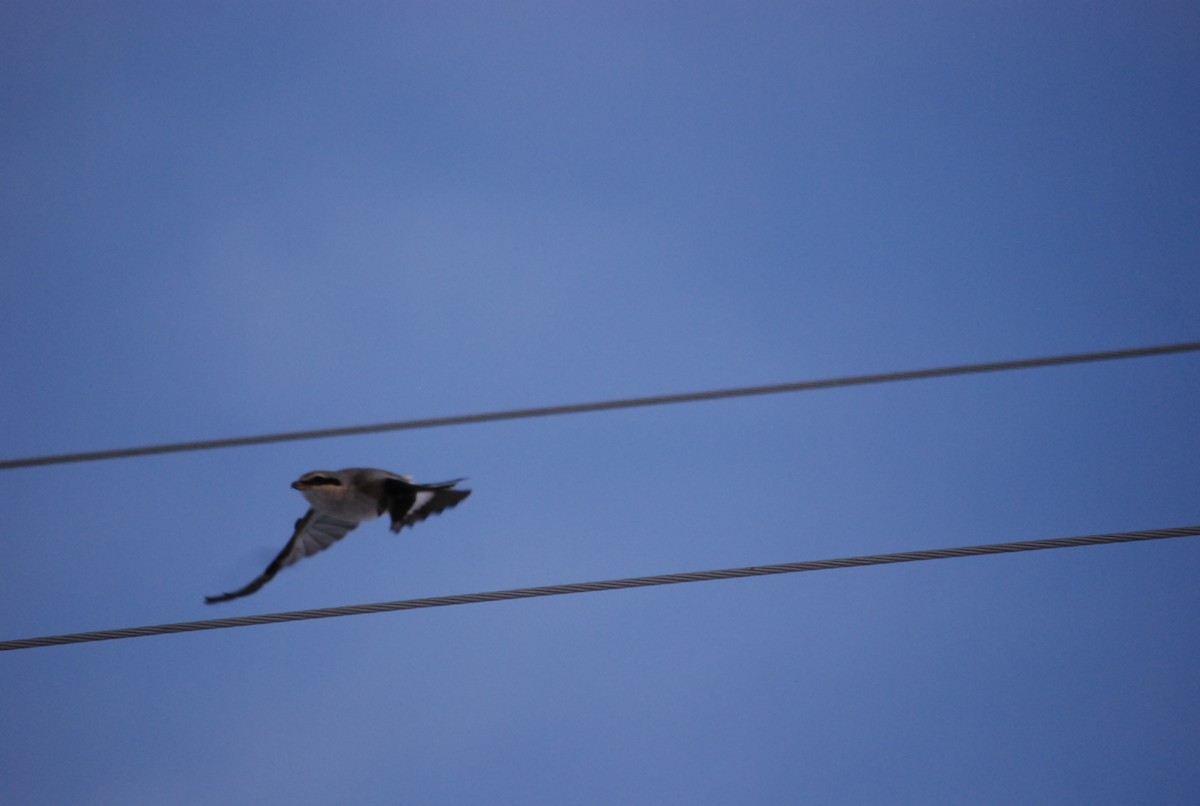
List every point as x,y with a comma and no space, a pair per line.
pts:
615,584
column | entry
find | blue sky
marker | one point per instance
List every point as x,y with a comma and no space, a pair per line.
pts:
222,219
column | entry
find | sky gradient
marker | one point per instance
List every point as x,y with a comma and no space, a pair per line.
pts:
220,219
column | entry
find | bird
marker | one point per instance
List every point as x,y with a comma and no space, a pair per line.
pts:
340,500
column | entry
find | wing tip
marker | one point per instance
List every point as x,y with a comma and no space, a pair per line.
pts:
444,497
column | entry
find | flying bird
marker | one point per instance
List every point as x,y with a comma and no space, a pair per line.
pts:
342,499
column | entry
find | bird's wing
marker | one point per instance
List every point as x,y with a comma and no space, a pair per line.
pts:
412,503
314,532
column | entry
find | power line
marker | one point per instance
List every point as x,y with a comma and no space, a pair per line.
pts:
608,405
615,584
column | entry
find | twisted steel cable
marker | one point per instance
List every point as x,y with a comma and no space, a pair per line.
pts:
608,405
608,585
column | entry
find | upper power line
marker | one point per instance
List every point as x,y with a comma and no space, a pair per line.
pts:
607,585
607,405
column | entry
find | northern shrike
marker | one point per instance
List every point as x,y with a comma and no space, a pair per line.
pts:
340,501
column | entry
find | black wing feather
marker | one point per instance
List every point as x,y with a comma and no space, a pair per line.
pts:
409,503
313,533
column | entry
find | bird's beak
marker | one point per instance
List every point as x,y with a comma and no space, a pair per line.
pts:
299,485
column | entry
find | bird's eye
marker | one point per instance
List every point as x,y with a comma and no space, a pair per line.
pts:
320,480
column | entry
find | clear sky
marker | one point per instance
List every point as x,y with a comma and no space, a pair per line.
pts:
231,218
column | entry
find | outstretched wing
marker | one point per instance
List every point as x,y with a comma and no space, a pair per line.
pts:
314,532
409,503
